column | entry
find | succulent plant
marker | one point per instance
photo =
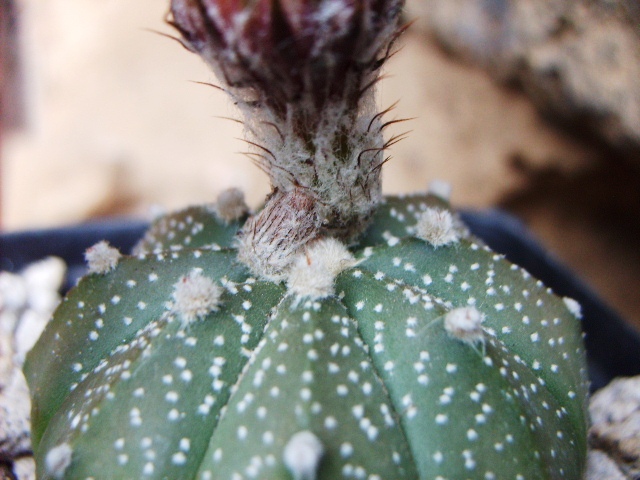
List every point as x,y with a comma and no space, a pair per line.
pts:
333,333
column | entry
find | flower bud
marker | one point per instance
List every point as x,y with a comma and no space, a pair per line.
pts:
288,49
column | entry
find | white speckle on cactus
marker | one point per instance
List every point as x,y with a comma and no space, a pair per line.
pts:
195,296
391,240
346,450
444,399
102,257
442,418
172,396
313,272
148,468
135,418
179,458
573,306
465,324
174,415
302,455
437,227
469,462
58,460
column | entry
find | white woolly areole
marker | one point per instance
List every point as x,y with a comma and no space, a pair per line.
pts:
313,272
574,307
102,257
437,227
195,296
58,460
230,205
302,455
465,324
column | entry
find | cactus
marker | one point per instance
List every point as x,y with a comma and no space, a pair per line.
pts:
333,333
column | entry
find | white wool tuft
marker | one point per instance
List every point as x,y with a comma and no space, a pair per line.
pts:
574,307
302,455
195,296
231,205
102,257
437,227
465,324
58,460
313,272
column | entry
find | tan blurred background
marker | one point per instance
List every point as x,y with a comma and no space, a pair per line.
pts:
106,120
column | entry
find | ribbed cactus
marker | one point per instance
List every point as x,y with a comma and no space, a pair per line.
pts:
333,333
371,382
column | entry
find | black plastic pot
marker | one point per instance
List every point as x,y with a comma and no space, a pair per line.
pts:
613,345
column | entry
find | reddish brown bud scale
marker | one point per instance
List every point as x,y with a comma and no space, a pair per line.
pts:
289,49
270,240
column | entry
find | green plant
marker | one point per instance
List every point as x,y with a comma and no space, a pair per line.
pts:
234,346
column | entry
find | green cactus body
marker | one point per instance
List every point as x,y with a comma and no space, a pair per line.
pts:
367,383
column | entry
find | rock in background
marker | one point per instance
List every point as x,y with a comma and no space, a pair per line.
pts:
578,61
27,301
615,434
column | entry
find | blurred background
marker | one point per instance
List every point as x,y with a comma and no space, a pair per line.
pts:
532,106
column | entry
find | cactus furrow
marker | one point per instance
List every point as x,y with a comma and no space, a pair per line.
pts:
519,310
313,370
150,407
454,391
105,311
